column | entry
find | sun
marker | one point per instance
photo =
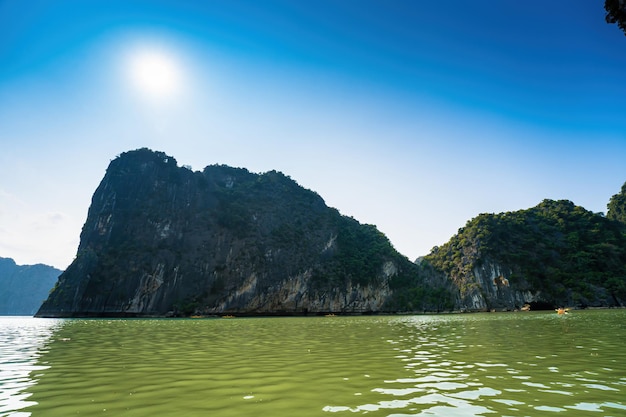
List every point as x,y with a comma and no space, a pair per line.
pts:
155,74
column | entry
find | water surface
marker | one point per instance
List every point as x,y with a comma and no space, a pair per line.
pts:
502,364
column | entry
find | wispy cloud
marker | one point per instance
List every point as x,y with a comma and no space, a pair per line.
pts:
30,234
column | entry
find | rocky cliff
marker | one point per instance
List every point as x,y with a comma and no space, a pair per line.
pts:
554,254
163,240
23,288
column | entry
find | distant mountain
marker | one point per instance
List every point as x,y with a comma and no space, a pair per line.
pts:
162,240
23,288
554,254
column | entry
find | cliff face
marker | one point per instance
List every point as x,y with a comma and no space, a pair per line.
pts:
554,254
160,240
24,287
163,240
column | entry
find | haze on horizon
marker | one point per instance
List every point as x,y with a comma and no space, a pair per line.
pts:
412,116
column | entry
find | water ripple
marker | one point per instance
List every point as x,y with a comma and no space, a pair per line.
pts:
22,343
465,365
496,371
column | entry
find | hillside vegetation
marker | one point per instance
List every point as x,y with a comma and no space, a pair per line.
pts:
161,239
569,255
164,240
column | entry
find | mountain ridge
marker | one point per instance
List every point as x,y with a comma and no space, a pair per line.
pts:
553,254
24,287
162,240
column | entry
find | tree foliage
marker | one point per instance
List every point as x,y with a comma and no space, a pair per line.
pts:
556,247
617,206
616,13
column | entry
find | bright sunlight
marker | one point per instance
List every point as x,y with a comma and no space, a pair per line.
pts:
155,74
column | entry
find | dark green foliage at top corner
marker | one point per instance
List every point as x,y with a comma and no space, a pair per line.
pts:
616,13
617,206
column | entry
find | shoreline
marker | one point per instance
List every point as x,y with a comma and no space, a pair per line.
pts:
235,314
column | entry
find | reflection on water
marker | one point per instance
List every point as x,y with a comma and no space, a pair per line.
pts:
22,343
514,364
507,364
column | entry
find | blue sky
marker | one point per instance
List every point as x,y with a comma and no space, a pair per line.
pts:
414,116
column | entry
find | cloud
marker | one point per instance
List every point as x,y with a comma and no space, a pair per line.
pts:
47,221
31,234
56,218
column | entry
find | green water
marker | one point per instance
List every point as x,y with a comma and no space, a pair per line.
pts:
502,364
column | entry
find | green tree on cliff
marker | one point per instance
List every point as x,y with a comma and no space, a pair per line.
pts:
617,206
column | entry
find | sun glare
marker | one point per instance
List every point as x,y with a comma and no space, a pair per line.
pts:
155,74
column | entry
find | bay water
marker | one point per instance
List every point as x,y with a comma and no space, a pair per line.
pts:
486,364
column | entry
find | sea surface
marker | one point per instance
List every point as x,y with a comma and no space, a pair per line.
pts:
491,364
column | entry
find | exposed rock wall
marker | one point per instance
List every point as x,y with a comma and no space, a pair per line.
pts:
294,295
492,289
160,239
554,254
163,240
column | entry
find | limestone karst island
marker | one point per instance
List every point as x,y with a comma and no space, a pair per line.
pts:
163,240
